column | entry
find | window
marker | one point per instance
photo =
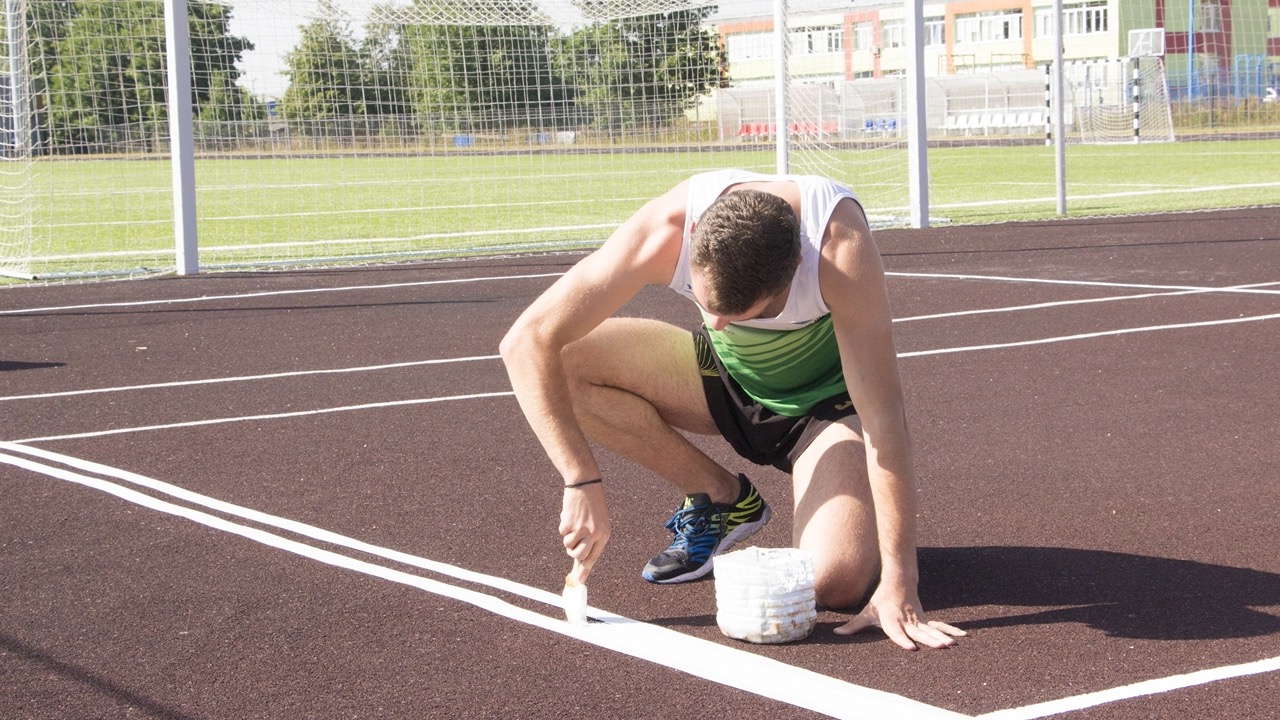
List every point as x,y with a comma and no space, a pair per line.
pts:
989,26
749,46
1043,23
1209,16
934,31
891,34
817,40
1083,19
863,36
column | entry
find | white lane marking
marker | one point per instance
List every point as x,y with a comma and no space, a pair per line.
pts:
248,378
1128,692
421,401
711,661
271,293
1082,301
935,316
1253,288
1087,336
386,286
269,416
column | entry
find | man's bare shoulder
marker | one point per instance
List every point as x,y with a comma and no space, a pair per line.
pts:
648,244
847,238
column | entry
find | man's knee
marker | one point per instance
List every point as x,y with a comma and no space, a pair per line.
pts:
843,584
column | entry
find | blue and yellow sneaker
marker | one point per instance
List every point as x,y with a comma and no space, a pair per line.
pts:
704,529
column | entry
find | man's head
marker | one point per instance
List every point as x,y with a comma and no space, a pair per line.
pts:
746,248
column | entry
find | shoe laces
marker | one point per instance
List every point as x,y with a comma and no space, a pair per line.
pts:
691,521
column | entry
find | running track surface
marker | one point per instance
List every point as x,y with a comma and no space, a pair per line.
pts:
311,495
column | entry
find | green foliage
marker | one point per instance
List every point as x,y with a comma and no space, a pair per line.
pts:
641,71
484,77
105,68
104,65
109,78
325,70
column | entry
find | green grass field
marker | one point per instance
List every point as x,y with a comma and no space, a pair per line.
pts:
108,215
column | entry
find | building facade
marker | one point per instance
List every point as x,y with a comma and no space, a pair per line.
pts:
1211,47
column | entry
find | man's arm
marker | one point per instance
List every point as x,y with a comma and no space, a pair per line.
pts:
852,279
642,251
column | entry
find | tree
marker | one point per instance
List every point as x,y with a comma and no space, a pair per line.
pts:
105,63
484,77
641,71
214,54
386,65
325,70
107,88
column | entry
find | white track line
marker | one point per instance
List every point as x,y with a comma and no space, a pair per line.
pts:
1088,301
271,293
1088,336
310,291
936,316
1093,283
269,416
421,401
711,661
248,378
1128,692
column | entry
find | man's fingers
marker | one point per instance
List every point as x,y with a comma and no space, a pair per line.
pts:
951,630
927,635
581,569
932,634
900,635
859,623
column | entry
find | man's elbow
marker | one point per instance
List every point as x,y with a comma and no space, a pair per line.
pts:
508,347
522,341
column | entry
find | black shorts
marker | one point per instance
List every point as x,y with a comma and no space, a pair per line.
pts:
755,432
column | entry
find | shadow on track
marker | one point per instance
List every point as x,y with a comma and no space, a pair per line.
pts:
1123,595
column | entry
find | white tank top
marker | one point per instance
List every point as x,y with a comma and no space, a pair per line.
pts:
818,198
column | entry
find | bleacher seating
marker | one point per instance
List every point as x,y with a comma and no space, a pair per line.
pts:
989,122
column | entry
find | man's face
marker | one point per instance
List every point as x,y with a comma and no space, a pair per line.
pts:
765,307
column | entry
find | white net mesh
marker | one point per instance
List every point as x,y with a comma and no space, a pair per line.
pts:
1124,100
16,172
339,131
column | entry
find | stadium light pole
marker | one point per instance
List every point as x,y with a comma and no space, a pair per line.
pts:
917,132
181,144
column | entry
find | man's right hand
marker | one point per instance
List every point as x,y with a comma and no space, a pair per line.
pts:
584,526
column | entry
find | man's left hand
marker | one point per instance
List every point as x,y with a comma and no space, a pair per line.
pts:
900,616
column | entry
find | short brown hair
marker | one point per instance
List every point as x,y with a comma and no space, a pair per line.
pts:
746,246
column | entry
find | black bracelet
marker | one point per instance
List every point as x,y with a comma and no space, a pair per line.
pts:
584,483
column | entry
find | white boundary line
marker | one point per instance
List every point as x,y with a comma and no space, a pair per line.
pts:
937,316
270,416
1091,283
389,286
421,401
1088,336
711,661
248,378
271,293
1128,692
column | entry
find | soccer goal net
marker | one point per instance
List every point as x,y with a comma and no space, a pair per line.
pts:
1125,99
361,130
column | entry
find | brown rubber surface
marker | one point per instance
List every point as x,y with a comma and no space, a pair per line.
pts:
1096,511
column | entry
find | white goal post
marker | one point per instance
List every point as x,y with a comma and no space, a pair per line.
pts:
1123,100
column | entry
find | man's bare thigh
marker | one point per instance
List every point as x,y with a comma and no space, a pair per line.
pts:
648,358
